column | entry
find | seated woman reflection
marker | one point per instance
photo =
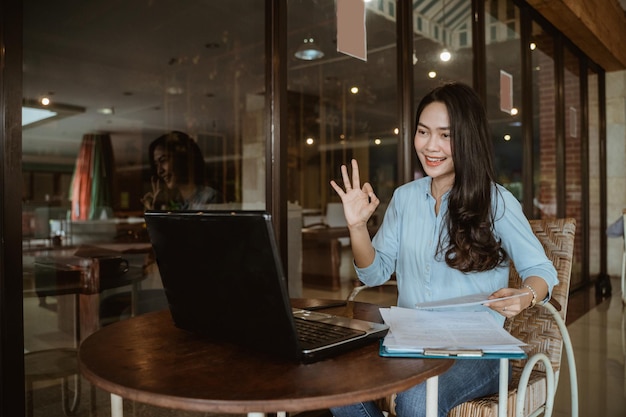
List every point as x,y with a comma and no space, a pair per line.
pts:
178,175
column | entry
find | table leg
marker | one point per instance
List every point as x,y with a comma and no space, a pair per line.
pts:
432,396
117,406
503,395
89,307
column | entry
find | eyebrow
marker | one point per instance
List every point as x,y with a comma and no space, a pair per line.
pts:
437,128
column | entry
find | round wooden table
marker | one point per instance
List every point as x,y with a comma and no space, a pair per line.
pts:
148,359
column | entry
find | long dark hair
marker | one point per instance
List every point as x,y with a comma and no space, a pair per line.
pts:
472,246
185,154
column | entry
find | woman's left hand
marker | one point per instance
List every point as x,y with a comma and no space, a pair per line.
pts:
511,306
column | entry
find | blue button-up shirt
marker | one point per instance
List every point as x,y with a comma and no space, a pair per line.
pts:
407,240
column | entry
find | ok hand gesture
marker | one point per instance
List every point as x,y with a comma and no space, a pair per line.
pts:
358,203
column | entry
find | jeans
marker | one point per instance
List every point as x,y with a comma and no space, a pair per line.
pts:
465,380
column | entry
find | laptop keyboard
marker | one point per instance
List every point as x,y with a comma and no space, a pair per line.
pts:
313,333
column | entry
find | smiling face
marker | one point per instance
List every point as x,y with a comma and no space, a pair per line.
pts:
164,167
433,145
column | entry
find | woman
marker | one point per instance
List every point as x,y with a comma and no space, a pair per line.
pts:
178,181
452,233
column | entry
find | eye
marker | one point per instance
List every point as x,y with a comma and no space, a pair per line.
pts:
445,135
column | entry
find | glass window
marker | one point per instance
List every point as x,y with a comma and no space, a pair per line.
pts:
116,76
595,233
442,46
504,93
448,57
544,122
573,158
340,108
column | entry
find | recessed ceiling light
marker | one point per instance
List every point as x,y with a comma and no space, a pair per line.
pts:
106,110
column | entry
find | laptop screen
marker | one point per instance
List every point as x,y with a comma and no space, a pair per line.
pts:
223,277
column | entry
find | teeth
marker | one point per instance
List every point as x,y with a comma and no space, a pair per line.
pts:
434,159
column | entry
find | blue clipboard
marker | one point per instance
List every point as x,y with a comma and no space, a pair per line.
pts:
449,354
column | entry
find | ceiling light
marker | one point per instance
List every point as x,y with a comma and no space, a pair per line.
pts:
106,110
309,51
445,55
174,90
432,74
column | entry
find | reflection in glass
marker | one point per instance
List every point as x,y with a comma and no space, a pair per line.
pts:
573,158
340,108
442,44
544,134
130,72
595,233
504,92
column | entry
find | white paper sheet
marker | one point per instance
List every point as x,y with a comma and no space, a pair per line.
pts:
415,330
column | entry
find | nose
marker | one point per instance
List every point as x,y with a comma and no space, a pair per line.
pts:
431,144
428,144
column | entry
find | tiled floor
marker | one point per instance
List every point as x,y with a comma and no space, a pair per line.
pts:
597,329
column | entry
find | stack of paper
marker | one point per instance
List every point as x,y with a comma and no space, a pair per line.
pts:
417,331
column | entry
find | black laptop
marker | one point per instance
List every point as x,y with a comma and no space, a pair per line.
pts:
223,278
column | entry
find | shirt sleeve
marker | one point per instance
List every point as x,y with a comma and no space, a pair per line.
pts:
519,241
386,244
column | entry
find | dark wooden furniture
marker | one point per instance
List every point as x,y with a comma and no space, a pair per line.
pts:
86,274
321,256
148,359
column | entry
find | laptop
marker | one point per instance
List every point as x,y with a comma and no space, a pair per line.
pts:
223,278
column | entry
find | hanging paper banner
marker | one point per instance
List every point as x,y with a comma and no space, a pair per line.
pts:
506,92
351,35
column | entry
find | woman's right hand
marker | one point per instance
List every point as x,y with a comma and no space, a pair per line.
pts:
150,197
358,203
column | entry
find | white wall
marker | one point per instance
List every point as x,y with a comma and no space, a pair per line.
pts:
616,162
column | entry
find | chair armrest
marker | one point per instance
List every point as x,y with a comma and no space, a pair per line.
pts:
569,350
555,304
546,409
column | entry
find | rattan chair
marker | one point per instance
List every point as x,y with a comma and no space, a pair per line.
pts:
534,380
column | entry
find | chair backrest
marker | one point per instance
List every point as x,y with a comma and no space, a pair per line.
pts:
535,326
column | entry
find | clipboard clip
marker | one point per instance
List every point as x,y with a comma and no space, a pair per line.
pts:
475,353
